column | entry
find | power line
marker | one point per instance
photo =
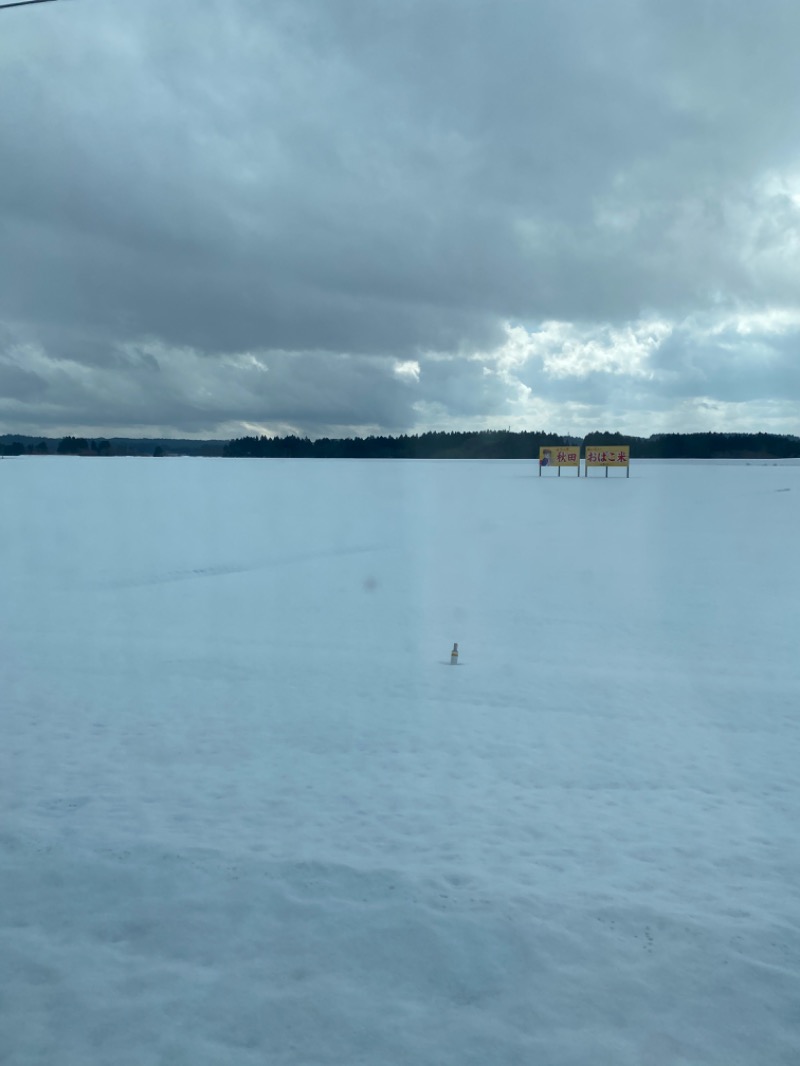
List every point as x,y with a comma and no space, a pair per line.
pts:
24,3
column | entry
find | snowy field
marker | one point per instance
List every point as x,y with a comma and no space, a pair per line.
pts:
251,815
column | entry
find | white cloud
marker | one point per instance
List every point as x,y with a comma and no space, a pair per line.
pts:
768,321
407,370
564,349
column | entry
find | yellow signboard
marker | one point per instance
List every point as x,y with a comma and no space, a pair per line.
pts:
605,455
553,455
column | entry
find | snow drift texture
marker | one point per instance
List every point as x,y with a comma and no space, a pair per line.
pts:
250,813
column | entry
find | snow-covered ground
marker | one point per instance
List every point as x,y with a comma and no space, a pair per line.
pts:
251,815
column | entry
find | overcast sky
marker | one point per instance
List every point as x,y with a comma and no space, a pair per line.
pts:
225,217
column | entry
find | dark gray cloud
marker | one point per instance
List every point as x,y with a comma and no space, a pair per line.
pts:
340,217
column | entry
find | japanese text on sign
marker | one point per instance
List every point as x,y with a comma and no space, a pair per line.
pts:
549,456
618,456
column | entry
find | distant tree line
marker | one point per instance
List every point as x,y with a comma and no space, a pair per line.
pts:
66,446
81,446
479,444
505,444
705,445
489,444
17,447
17,444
